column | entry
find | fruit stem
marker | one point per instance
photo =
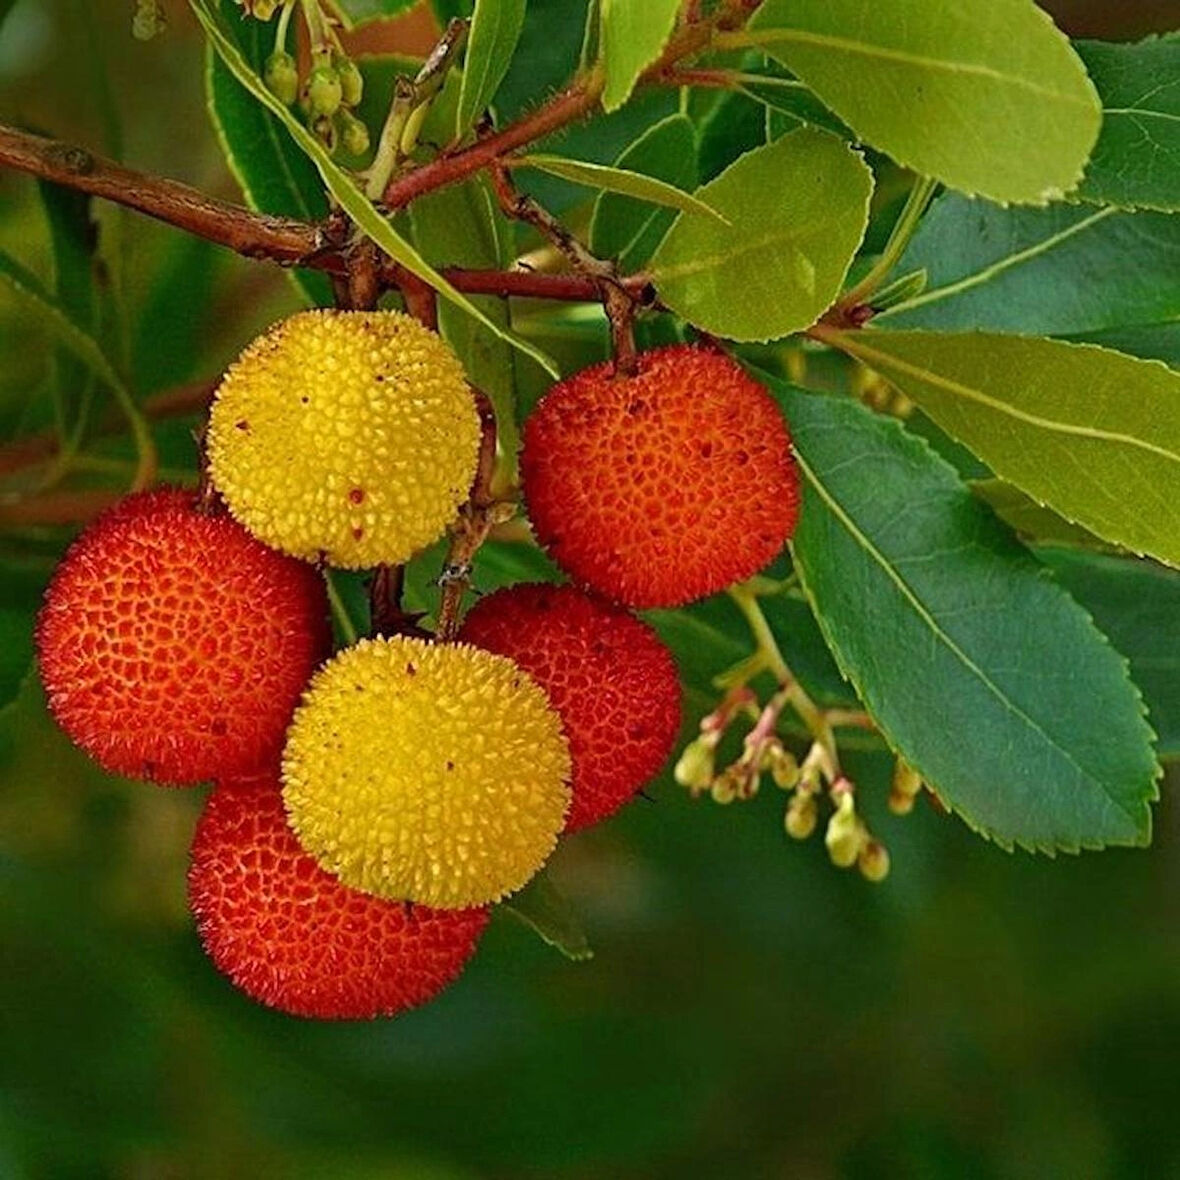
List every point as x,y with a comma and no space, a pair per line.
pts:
816,720
340,611
899,238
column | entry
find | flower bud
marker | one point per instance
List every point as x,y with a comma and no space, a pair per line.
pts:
149,20
802,815
724,789
324,91
264,9
354,134
695,767
904,788
324,129
282,77
352,82
846,834
784,769
873,861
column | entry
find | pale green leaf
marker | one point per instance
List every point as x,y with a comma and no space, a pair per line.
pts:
1062,270
986,97
628,230
490,46
1035,523
1093,434
798,209
545,910
979,670
632,35
1136,162
342,186
624,182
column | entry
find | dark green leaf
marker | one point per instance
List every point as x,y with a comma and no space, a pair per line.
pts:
274,175
1136,162
627,230
1137,605
358,12
448,10
959,92
494,34
1160,342
633,34
1093,434
791,97
798,209
1056,271
546,56
547,912
966,655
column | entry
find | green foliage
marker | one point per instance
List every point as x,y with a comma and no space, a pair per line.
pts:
957,92
626,229
802,201
632,35
543,908
1028,270
1093,434
491,44
1137,605
968,658
359,12
624,182
274,175
1134,163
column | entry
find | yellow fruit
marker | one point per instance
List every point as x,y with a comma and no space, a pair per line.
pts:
433,773
349,437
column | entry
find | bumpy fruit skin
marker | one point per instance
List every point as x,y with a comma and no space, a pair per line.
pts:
292,937
607,674
173,646
345,436
435,773
663,487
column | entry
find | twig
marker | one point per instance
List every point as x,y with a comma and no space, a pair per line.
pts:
476,519
617,300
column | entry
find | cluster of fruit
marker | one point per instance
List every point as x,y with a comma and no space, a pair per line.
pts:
370,805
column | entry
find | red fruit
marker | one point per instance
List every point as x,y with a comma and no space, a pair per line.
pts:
293,937
663,487
608,675
173,646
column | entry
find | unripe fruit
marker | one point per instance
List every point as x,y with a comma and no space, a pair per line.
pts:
174,646
293,937
607,674
663,487
282,77
434,773
347,436
324,91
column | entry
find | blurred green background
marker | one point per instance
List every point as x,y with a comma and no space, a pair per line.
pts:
750,1011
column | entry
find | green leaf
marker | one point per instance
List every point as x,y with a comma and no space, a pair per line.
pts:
623,182
1061,270
547,912
798,209
627,230
970,660
1032,521
789,96
988,98
359,12
342,186
1137,605
1160,342
495,32
274,175
1136,162
448,10
462,226
1093,434
632,35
